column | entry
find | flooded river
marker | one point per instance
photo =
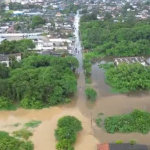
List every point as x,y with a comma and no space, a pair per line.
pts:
107,103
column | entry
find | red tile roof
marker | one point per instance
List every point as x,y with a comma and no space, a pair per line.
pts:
104,146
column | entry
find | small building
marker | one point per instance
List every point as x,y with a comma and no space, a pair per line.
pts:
2,39
5,59
131,60
123,146
18,12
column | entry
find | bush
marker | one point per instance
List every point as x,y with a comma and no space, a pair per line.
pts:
90,93
70,122
119,142
66,132
33,124
132,142
137,121
23,133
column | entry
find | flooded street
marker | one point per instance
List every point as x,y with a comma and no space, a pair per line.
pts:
107,103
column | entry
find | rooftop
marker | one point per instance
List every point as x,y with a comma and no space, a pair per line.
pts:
131,60
123,146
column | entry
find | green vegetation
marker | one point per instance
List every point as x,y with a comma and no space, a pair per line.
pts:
37,21
16,124
23,133
32,124
99,120
133,142
90,93
70,9
107,38
119,142
88,17
38,81
129,77
66,132
10,47
107,65
11,143
136,121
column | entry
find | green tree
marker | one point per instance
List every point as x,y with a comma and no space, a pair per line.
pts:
90,93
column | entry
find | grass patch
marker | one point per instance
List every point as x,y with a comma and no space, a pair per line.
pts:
88,80
136,121
107,65
3,134
16,124
23,133
33,124
113,90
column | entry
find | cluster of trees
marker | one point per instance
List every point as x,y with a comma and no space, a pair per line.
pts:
116,39
71,9
136,121
90,93
10,47
19,6
9,142
66,132
37,21
129,77
88,17
39,80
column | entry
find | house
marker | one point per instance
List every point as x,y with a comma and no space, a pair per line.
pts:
18,12
123,146
131,60
5,59
58,14
2,39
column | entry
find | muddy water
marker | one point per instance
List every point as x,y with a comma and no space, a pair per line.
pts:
107,103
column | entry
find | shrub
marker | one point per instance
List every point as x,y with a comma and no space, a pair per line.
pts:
98,122
5,103
66,132
132,142
90,93
70,122
119,142
23,133
136,121
33,124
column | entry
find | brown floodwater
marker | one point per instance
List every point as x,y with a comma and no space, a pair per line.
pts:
107,103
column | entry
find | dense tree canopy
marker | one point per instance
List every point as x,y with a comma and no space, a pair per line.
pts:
40,80
116,39
136,121
130,77
10,47
71,9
